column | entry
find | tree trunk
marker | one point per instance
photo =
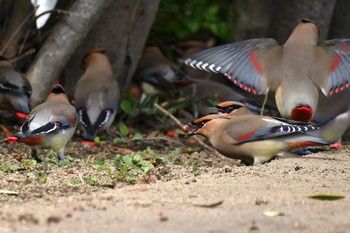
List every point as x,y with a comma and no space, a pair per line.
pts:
122,30
252,18
60,45
288,13
18,21
340,27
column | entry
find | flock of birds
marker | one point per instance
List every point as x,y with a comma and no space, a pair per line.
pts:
52,124
294,72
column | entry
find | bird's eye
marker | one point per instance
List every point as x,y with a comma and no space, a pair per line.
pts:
232,108
202,123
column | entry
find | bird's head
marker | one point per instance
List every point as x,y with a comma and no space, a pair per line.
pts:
57,89
200,125
228,107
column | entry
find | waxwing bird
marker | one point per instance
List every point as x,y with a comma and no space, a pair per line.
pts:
330,130
204,93
157,75
96,95
294,71
333,129
233,107
15,90
49,125
252,138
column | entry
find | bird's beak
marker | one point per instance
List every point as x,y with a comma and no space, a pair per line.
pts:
190,129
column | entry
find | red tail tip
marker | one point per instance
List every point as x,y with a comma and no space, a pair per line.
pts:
335,146
302,113
89,143
12,139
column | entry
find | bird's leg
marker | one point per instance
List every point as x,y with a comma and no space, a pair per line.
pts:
264,103
35,156
60,155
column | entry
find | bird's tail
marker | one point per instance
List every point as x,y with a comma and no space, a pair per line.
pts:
333,129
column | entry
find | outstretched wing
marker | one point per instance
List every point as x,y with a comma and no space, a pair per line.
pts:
241,62
339,66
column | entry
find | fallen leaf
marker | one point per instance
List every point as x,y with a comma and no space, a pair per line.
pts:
272,213
161,216
209,204
8,192
123,150
326,197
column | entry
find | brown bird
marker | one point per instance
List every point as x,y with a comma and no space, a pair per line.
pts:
15,90
204,93
331,130
294,71
157,75
252,138
49,125
96,95
234,108
245,107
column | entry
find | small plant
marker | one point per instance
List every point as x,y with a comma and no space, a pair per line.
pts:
91,181
194,165
130,167
178,20
9,168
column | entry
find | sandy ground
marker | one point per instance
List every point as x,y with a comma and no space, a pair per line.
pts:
217,199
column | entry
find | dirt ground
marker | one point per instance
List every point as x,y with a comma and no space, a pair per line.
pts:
201,192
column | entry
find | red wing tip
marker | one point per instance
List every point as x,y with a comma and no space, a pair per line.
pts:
89,143
21,115
339,89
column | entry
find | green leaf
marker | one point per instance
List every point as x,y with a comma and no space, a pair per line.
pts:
137,159
123,129
137,136
99,161
127,159
326,197
146,167
97,140
127,105
91,181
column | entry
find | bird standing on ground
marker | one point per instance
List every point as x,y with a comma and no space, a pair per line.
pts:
15,90
156,74
96,95
252,138
293,71
49,125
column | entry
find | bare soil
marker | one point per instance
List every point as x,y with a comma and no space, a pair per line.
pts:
192,192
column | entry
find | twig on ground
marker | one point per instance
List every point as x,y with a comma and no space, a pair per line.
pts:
157,138
81,178
171,116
